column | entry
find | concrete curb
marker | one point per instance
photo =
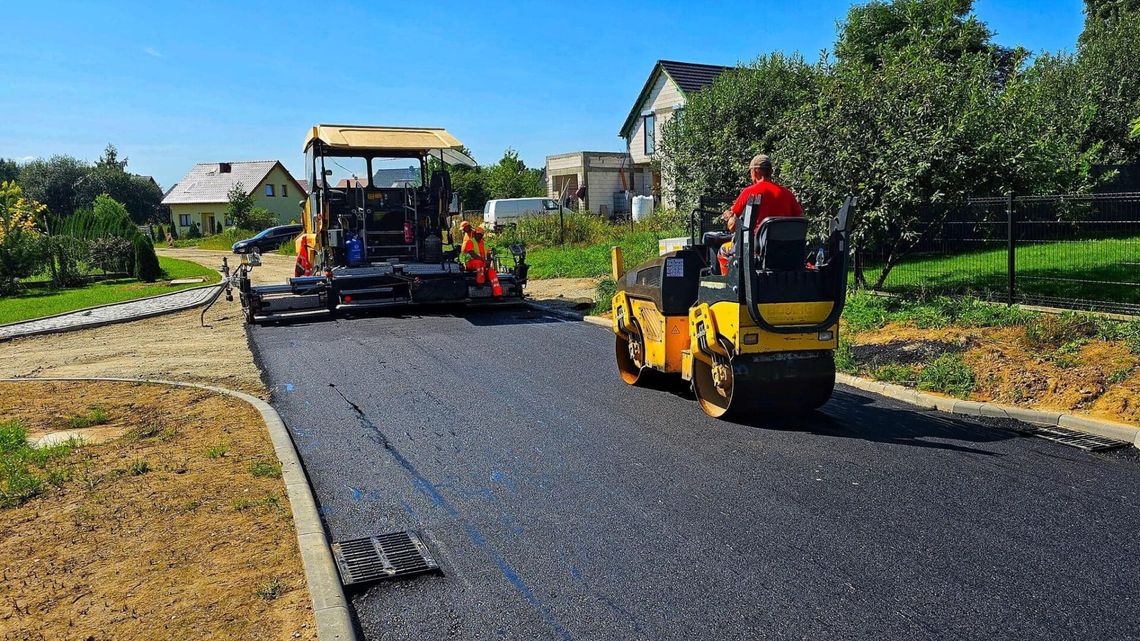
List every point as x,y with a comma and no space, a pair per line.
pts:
330,607
569,315
61,330
1108,429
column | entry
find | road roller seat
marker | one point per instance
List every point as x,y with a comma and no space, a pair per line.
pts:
781,243
713,241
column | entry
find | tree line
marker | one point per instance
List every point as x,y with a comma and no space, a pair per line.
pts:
65,184
915,109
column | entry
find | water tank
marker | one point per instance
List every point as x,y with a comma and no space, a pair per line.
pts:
642,206
433,249
354,250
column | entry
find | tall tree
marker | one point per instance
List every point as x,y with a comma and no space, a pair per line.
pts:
54,182
706,146
9,170
1107,53
510,178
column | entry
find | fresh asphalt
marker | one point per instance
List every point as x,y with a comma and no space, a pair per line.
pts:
563,504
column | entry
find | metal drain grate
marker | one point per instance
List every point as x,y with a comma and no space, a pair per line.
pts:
381,557
1082,440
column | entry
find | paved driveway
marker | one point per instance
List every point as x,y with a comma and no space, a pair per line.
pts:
563,504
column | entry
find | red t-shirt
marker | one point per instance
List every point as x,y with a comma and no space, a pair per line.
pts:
774,201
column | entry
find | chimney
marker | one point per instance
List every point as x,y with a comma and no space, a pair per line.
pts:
224,168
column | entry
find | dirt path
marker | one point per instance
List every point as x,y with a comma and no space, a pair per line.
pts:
172,347
180,528
274,268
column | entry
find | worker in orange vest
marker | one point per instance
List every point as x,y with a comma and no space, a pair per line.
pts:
303,267
474,254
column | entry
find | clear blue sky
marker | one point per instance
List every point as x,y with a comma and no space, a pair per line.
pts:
174,83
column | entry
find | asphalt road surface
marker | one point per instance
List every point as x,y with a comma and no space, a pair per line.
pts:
562,504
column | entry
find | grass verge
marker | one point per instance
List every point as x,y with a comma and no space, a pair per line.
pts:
35,302
137,537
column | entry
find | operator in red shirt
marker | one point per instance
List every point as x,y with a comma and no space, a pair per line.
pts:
775,200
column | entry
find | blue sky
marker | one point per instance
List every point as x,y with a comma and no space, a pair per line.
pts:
174,83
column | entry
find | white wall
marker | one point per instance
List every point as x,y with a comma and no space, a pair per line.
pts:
662,100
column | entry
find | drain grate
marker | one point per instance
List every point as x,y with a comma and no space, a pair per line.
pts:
1082,440
382,557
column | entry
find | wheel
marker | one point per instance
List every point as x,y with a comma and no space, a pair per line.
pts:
630,355
713,387
780,383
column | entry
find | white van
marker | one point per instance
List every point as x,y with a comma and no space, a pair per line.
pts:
504,211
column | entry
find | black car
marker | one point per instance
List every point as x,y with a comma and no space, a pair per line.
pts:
267,240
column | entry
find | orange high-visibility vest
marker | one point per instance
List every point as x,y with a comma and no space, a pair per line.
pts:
476,251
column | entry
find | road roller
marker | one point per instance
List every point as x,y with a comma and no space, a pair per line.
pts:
757,336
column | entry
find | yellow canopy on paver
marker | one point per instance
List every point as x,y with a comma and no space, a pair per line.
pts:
423,140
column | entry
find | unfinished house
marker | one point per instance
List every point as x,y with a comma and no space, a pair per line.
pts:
663,94
604,174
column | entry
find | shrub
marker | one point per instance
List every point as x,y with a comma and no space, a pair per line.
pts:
287,248
67,255
146,261
194,232
604,294
111,254
21,243
257,219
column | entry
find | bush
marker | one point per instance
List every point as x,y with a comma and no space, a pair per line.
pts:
146,261
604,294
111,254
67,253
21,243
194,231
287,248
257,219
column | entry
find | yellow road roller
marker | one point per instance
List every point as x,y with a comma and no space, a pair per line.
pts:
758,338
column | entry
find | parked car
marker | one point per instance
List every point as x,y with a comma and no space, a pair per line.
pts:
268,239
504,211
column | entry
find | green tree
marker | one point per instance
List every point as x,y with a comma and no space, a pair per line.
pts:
510,178
705,148
139,194
1107,53
241,205
917,136
54,181
9,170
20,237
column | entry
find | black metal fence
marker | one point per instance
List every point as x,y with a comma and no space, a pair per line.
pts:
1072,251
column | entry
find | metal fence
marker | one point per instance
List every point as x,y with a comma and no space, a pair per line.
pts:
1072,251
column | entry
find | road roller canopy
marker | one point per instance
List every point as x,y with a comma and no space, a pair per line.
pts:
396,142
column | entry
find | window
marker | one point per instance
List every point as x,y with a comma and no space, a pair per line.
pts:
650,127
269,190
183,220
284,191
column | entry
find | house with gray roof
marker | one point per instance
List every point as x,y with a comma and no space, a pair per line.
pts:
664,93
201,197
605,181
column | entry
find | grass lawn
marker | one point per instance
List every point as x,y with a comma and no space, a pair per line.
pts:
1106,269
37,300
217,242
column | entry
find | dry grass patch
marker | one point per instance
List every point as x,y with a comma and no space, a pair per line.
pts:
142,536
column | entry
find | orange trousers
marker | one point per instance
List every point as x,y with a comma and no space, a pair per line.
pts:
484,272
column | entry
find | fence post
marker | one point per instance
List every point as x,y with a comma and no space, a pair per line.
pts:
561,225
1011,247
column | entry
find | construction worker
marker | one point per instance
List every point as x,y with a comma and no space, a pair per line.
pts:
775,200
465,229
475,259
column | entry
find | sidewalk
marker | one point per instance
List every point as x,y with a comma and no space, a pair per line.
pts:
107,314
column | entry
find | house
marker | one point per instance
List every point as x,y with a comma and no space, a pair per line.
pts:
604,174
665,92
202,196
